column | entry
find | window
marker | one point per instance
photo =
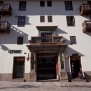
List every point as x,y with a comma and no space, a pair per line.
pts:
42,18
70,20
1,2
20,40
49,18
49,3
72,39
90,18
68,5
46,37
21,20
42,3
22,5
89,2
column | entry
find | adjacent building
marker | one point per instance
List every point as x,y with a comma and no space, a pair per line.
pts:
45,39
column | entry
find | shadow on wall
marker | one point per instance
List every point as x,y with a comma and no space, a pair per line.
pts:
58,8
20,86
60,31
71,51
88,33
11,38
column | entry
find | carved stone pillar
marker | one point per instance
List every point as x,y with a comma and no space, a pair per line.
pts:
33,67
63,73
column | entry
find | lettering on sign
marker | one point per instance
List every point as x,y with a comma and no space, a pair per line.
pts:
14,51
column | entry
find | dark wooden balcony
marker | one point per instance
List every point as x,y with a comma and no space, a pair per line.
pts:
85,9
57,40
56,44
5,9
86,26
4,27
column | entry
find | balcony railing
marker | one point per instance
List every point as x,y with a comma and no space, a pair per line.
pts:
55,40
85,9
5,9
4,27
86,26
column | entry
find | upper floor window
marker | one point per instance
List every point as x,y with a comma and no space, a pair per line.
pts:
49,3
20,40
22,5
1,2
49,18
42,18
72,39
21,20
90,18
70,20
68,5
89,2
42,3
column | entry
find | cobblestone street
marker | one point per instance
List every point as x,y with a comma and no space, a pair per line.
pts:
45,86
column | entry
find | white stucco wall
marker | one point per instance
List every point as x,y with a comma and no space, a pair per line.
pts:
32,13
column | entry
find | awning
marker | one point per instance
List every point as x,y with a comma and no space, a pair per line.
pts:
46,28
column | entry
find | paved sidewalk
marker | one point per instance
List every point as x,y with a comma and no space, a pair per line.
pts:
45,86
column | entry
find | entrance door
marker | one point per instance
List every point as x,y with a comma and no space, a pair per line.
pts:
46,67
18,67
75,67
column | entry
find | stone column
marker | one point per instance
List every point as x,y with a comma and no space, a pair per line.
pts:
59,67
63,73
68,68
33,67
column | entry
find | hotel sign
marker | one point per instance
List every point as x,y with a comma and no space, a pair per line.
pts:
14,51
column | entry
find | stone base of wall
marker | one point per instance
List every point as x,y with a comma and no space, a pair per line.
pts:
33,77
63,75
87,75
27,77
5,77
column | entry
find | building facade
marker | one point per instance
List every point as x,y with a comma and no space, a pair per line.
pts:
45,39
